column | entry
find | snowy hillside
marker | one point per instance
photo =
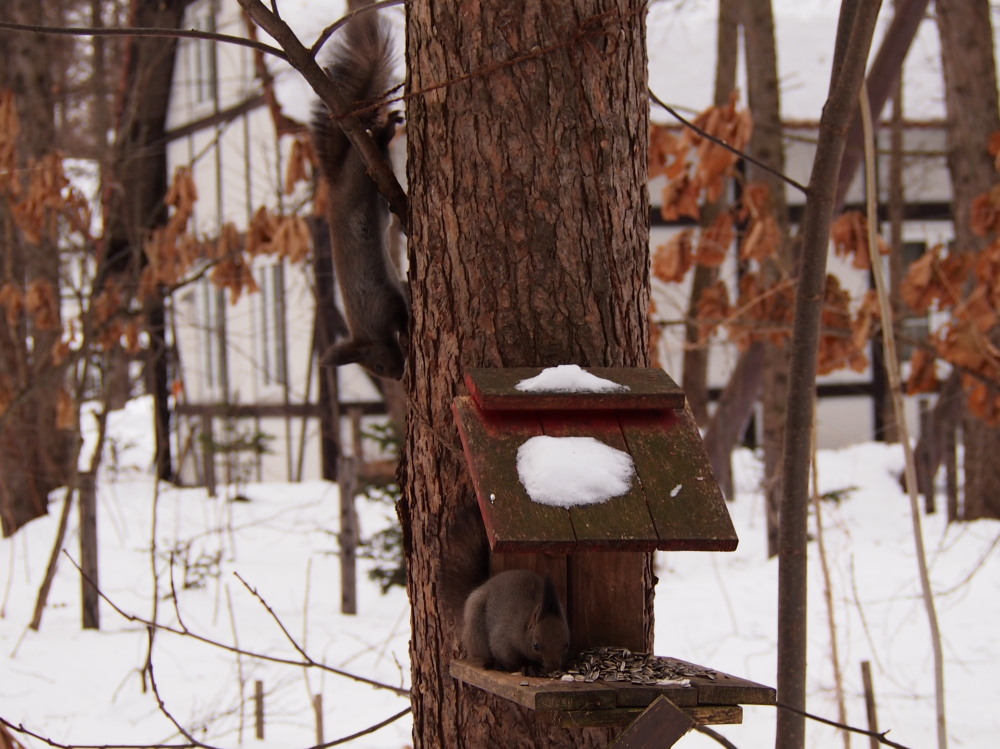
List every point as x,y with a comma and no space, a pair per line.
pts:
717,610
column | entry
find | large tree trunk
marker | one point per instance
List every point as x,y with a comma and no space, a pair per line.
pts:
33,450
527,134
970,81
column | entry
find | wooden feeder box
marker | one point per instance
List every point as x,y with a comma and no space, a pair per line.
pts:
673,503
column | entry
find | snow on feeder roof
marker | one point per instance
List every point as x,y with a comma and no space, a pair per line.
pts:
549,500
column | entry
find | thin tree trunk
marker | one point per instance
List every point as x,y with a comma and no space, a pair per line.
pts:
732,414
766,145
33,449
967,59
527,136
886,69
694,380
854,33
136,186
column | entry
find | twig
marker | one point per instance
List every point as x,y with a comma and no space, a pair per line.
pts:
881,736
301,58
160,703
342,21
182,33
718,737
20,728
896,391
732,149
301,650
308,662
366,731
824,563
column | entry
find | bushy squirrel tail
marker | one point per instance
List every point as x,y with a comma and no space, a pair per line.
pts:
362,66
468,563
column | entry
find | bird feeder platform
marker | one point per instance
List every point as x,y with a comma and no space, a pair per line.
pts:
708,697
673,502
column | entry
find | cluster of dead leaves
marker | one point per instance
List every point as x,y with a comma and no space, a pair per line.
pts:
174,251
765,311
39,301
710,244
967,285
696,170
696,167
41,198
849,233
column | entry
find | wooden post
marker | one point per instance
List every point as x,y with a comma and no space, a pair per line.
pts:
88,552
866,678
258,702
208,454
348,469
926,480
951,472
318,710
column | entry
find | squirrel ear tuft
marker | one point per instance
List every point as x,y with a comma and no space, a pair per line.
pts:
347,352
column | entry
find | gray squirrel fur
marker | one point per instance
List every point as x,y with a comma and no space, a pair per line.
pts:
510,621
374,301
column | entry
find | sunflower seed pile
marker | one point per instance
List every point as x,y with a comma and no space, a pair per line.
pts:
622,665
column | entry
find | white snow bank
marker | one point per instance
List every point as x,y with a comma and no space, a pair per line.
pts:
573,471
568,378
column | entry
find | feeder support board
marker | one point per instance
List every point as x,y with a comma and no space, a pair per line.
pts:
673,503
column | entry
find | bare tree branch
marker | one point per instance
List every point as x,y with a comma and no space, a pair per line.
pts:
342,21
719,142
159,699
307,662
183,33
880,737
302,59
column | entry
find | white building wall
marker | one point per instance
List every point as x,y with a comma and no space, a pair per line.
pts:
238,166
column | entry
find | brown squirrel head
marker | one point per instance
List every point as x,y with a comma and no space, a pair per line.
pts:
548,631
381,358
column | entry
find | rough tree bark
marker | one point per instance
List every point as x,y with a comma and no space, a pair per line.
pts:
33,450
970,85
527,136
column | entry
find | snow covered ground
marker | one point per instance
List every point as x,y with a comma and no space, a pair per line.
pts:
719,610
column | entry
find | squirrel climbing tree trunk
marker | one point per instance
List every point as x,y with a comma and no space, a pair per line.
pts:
527,136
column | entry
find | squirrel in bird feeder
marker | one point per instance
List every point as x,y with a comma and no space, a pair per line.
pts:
510,621
375,303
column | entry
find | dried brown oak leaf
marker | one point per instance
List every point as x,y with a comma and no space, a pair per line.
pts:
935,279
672,260
923,375
715,240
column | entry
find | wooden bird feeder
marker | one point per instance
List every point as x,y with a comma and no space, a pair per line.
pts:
672,503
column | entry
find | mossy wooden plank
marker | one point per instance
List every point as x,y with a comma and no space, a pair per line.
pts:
621,522
685,501
640,695
513,522
647,388
732,690
660,725
537,693
604,614
542,564
703,715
